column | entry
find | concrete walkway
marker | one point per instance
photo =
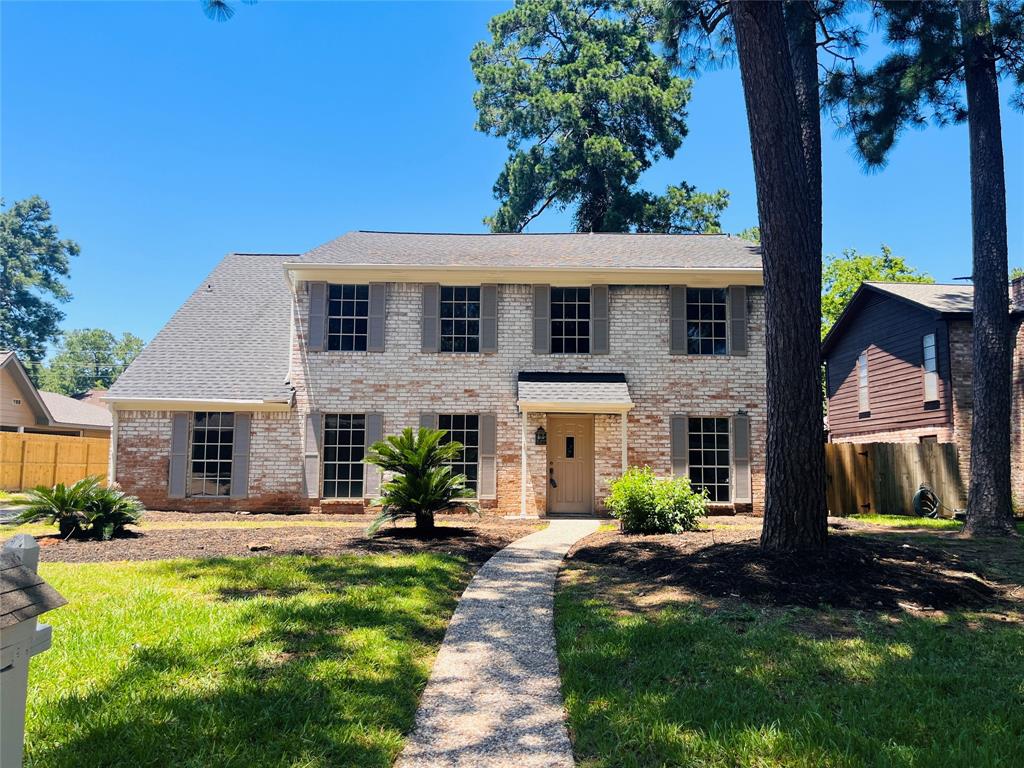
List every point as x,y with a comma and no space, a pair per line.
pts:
494,696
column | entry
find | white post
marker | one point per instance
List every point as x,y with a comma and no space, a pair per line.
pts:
15,651
112,459
523,469
625,453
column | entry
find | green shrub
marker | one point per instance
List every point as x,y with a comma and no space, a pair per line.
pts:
648,504
85,508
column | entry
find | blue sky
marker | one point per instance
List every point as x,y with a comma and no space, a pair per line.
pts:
164,140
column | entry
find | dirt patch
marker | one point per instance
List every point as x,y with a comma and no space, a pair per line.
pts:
476,539
861,571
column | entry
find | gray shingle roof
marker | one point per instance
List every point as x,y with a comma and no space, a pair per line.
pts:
24,593
579,388
644,251
935,296
229,341
68,410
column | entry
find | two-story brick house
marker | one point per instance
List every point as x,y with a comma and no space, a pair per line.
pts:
899,368
557,360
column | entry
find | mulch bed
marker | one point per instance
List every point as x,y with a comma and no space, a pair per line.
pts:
476,539
856,571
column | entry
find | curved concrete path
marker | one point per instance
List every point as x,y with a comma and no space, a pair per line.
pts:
494,696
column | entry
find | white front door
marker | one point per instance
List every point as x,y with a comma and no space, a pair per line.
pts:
571,464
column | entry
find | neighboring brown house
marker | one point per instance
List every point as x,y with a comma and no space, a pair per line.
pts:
23,408
898,368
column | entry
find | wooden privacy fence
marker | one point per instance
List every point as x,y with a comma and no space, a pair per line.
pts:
28,460
882,478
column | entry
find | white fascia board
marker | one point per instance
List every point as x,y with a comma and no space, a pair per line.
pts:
702,277
562,406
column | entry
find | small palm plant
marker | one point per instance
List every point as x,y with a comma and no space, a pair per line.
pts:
423,483
110,510
86,507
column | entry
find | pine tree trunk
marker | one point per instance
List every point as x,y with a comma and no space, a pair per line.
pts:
795,516
989,510
803,53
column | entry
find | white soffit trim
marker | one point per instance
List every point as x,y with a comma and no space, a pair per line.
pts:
572,406
704,277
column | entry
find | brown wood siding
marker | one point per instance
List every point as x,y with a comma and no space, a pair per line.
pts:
892,332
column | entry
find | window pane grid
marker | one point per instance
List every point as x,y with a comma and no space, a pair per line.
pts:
213,437
708,446
348,309
863,401
706,321
344,448
460,318
931,377
465,429
570,320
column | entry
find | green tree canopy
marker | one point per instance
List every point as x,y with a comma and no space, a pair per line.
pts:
586,106
921,77
89,358
33,264
753,234
844,273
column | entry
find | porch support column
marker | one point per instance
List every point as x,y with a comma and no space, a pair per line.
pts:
625,454
523,468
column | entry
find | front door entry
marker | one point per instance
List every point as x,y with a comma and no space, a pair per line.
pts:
571,464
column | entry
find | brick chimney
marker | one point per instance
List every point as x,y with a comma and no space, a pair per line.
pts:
1017,294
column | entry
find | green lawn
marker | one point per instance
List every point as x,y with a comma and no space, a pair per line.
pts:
686,685
278,661
908,521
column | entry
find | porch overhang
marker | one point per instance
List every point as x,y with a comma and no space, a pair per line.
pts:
560,392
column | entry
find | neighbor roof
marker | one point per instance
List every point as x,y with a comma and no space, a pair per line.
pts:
575,250
229,341
71,411
945,299
938,297
574,392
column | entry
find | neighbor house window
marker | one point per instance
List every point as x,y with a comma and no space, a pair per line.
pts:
708,445
863,403
706,321
463,428
348,308
344,446
460,318
570,320
931,376
213,436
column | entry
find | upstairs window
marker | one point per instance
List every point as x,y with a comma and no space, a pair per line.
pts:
460,318
863,403
706,321
570,321
931,375
708,446
463,428
348,309
213,436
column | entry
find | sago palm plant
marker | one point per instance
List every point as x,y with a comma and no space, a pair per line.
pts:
62,505
422,482
86,507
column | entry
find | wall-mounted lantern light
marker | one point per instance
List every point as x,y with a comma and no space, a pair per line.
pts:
540,437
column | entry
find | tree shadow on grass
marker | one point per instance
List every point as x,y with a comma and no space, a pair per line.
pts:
748,687
304,661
